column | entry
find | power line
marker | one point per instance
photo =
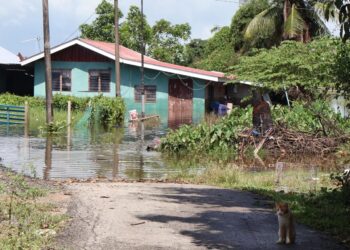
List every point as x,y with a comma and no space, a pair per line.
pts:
76,30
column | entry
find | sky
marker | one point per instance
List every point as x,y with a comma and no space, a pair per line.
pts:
21,20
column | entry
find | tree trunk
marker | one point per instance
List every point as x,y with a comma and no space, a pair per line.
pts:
286,12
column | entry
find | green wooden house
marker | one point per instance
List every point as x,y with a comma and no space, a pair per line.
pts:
84,68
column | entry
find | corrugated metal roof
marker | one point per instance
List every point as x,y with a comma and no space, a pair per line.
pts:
7,57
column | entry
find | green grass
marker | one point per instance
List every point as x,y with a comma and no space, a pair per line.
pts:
22,218
37,117
315,202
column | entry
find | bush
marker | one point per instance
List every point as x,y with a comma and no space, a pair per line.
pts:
205,138
315,118
78,103
107,111
59,101
11,99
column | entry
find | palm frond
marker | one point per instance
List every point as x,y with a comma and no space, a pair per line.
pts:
295,23
263,24
327,10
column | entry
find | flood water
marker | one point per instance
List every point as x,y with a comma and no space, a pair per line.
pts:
86,153
120,153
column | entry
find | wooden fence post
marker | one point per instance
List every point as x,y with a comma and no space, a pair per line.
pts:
69,114
26,118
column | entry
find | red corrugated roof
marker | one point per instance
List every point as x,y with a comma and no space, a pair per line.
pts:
132,55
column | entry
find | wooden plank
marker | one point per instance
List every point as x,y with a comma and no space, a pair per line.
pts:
11,106
148,117
12,119
11,115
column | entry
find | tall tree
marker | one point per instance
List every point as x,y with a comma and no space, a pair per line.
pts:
307,68
168,41
130,30
102,28
242,18
286,19
218,51
195,50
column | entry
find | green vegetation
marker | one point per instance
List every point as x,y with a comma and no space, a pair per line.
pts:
306,67
218,139
283,20
105,110
59,101
25,223
102,28
221,138
241,19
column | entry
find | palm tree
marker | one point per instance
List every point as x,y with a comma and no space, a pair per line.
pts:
286,19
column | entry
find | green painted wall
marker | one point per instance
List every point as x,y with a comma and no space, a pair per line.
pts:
130,76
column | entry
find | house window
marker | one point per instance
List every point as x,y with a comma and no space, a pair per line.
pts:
61,80
99,80
150,93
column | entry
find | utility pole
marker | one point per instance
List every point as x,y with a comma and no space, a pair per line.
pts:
47,53
142,64
117,55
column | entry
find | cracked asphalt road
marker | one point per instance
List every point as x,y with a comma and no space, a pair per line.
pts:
175,216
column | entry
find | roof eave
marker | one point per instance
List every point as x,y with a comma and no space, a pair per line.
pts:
122,60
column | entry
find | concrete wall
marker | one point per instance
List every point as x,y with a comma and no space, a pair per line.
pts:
130,76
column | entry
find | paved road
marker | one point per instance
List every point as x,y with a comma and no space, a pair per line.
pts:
174,216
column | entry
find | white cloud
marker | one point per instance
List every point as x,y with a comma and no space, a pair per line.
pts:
15,12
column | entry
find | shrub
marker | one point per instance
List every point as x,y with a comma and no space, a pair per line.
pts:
107,110
78,103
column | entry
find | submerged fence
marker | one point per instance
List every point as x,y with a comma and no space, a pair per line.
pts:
10,114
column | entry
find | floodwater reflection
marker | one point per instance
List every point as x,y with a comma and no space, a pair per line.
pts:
84,153
120,153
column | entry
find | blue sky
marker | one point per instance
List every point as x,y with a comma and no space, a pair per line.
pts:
21,20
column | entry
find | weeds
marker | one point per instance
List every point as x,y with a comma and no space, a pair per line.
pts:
222,136
21,217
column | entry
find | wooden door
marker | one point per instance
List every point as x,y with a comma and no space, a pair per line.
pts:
180,102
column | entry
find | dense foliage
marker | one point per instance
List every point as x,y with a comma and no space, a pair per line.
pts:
102,28
242,18
342,70
167,42
222,137
218,53
308,67
59,101
164,41
285,19
107,111
203,138
131,31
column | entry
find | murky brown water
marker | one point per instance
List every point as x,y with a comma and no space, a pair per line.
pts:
121,153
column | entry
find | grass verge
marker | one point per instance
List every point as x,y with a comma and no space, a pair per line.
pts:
25,221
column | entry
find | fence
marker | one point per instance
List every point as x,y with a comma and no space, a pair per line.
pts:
13,114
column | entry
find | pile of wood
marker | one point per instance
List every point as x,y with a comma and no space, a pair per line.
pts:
281,140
